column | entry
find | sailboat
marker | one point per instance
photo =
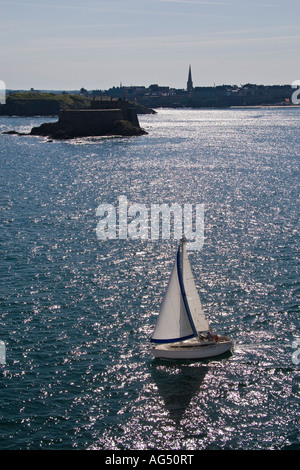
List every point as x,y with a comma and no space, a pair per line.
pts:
182,330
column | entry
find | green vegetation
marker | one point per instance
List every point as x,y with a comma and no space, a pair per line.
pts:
43,104
30,103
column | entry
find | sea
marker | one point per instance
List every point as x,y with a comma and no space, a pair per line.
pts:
77,311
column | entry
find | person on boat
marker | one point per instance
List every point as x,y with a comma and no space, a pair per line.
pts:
212,336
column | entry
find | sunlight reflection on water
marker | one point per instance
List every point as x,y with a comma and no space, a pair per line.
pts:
77,313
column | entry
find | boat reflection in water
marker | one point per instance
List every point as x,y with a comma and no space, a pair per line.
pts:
177,385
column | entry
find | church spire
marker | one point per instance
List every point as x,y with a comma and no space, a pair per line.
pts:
190,82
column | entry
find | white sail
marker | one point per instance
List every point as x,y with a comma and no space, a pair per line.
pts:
173,323
181,318
194,302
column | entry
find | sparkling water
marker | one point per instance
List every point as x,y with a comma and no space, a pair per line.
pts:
77,313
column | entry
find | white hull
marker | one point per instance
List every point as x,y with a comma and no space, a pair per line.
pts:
193,349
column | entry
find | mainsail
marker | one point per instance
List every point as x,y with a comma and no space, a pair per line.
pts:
195,305
181,315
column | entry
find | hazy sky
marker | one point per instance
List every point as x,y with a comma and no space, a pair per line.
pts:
96,44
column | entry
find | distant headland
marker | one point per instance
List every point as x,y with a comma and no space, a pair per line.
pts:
51,103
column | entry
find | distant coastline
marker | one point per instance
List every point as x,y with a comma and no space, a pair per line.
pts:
266,106
146,100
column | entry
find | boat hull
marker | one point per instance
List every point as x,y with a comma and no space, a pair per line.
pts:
192,350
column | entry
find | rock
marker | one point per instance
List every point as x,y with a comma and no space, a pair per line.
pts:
124,128
15,133
55,131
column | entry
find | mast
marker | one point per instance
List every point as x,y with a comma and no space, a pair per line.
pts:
182,287
195,306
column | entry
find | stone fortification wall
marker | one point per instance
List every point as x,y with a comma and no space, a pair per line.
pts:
131,116
129,112
90,121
